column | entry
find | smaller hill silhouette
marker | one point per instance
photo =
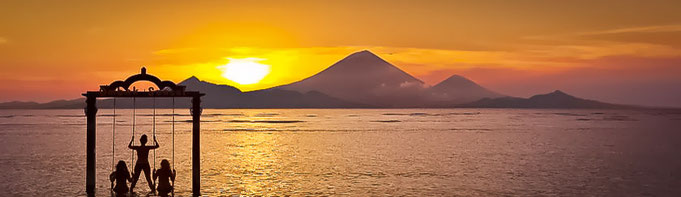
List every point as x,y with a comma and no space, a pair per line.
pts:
555,99
18,105
224,96
218,96
458,89
198,85
57,104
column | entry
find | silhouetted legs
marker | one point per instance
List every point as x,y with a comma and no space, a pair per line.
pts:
138,169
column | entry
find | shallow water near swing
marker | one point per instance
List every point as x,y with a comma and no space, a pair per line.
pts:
360,152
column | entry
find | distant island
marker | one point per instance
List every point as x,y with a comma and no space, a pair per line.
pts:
360,80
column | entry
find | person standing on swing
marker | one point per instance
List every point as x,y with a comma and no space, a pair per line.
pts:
142,161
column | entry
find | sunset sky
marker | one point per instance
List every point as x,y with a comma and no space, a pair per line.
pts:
625,52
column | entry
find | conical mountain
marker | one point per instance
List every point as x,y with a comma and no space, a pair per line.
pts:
365,78
458,89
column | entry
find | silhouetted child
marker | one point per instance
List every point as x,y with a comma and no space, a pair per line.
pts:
165,176
120,176
142,161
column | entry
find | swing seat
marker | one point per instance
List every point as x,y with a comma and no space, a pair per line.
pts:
115,194
155,194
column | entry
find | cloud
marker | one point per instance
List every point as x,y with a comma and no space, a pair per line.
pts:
293,64
642,29
408,84
605,49
173,51
646,41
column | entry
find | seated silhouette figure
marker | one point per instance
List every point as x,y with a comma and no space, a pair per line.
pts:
165,176
142,161
120,176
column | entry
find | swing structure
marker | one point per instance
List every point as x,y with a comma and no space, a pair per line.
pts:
121,89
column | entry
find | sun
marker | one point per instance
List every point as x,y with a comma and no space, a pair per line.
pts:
245,71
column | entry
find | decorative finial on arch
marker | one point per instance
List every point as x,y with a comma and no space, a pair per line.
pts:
162,85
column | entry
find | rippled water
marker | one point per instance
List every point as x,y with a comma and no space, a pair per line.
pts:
366,152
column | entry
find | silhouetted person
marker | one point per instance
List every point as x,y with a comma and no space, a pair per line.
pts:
165,176
142,161
120,176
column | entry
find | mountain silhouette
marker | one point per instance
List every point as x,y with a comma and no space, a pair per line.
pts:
18,105
218,96
363,77
57,104
458,89
555,99
224,96
198,85
276,98
360,80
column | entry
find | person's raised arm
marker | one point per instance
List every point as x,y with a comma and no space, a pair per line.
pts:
155,143
130,144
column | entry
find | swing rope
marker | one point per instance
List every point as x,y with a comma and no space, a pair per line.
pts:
153,131
173,129
113,136
113,140
132,151
173,158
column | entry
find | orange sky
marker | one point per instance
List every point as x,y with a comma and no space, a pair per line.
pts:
623,52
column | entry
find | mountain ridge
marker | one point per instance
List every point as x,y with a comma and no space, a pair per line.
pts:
360,80
554,100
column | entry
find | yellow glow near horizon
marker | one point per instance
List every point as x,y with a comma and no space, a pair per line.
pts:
245,71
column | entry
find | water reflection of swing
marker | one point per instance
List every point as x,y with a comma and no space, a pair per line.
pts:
162,188
121,89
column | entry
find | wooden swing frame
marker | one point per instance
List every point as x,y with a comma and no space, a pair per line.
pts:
122,89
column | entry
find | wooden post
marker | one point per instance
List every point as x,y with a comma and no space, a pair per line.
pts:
91,113
196,146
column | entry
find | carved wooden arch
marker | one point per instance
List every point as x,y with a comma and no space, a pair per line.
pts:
119,89
143,76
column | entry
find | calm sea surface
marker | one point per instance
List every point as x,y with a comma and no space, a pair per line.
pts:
365,152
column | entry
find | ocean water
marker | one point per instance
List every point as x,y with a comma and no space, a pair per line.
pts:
360,152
